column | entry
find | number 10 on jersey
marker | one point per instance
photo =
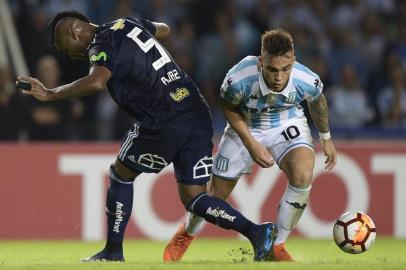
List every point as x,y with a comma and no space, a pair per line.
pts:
291,133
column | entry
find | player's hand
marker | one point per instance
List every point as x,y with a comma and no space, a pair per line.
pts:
38,90
260,154
330,153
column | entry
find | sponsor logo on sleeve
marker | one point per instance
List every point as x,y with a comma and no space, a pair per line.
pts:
180,94
96,57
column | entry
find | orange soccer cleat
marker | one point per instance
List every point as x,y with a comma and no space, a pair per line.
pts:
178,245
280,254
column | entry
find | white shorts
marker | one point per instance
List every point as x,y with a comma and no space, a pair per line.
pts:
232,158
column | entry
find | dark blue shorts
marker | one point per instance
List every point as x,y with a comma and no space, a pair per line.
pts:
186,143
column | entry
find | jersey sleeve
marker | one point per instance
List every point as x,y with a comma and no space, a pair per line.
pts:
313,91
230,92
148,25
101,53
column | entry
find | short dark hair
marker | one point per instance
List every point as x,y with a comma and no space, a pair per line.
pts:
276,42
61,15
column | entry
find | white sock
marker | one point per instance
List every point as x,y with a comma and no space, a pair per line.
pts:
193,224
291,208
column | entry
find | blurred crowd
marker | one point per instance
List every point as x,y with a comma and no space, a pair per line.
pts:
358,47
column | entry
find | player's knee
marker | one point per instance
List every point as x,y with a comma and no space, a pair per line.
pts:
185,199
188,192
220,188
214,190
218,193
301,178
123,172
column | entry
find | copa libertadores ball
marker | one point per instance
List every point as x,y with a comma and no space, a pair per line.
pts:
354,232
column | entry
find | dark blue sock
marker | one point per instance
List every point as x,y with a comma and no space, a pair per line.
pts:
220,213
119,204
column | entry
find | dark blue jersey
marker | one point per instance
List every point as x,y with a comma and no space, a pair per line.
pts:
145,80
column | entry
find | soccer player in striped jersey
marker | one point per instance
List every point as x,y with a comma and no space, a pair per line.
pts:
260,98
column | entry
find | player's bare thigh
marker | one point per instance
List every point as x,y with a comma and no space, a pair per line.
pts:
298,166
220,187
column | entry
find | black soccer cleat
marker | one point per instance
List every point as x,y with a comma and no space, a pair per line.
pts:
105,256
263,242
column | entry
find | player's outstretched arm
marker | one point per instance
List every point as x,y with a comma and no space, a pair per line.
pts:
258,151
88,85
162,30
319,112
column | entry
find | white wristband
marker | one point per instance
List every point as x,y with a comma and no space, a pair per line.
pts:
325,136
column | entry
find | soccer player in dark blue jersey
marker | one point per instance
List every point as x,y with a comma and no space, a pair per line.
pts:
173,122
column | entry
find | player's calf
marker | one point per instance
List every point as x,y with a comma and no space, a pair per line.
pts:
119,203
220,213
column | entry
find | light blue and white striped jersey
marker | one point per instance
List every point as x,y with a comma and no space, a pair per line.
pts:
263,108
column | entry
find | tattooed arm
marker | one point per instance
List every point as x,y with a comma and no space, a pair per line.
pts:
88,85
319,112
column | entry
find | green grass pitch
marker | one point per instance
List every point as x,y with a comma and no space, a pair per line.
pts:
387,253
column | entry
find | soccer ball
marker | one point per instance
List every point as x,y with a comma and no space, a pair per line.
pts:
354,232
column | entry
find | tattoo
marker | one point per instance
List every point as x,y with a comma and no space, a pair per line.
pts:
319,112
82,87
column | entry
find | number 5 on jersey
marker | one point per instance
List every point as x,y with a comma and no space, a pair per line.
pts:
147,45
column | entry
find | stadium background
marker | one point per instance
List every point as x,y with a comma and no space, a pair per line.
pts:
54,156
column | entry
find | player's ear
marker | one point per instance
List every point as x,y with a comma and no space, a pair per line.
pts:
73,33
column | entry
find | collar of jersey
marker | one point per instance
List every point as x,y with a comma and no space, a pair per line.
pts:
265,90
